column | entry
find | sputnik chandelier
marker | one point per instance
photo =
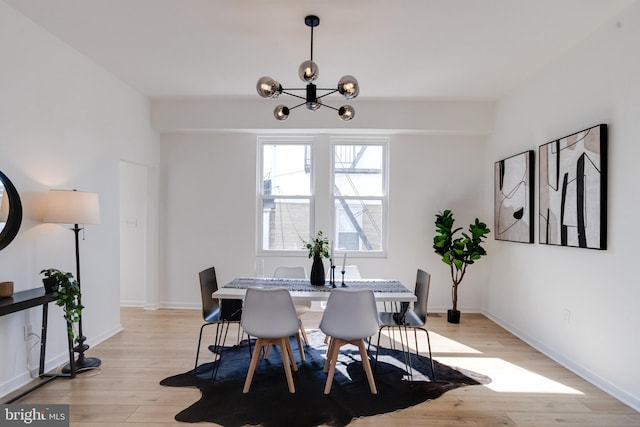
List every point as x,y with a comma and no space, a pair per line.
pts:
308,72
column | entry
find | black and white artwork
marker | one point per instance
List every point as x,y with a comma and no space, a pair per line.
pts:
513,198
573,190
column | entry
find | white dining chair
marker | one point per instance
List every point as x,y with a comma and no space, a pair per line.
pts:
269,315
350,317
302,306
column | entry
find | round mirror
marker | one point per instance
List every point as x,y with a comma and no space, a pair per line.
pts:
10,211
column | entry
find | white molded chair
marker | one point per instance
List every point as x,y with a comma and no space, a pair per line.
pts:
350,272
269,315
350,317
410,319
302,306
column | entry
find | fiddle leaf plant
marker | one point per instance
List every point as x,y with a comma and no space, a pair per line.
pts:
458,252
67,294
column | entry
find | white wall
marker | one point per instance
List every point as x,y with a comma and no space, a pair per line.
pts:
531,287
209,188
64,123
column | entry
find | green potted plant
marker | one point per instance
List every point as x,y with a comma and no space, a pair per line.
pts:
67,293
318,249
458,252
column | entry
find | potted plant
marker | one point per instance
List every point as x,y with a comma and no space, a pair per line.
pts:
67,293
318,249
458,252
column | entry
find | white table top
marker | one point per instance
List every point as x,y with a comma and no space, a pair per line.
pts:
384,290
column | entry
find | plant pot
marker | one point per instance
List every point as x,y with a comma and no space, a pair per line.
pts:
317,272
453,316
50,284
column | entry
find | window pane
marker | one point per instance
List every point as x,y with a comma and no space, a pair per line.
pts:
359,224
285,223
358,170
286,169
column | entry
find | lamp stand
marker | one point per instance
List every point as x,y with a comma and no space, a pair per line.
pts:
82,363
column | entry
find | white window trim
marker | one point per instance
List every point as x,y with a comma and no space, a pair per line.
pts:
363,140
282,140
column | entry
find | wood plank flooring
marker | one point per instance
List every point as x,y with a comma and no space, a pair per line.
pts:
527,389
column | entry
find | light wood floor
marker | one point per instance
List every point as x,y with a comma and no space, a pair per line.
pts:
528,389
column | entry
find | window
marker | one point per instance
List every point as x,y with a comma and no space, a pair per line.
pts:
351,200
359,193
285,194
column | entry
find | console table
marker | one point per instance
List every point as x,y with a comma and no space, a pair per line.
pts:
28,299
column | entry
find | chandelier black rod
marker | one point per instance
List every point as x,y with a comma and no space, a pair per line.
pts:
332,91
305,88
299,105
329,106
294,95
311,42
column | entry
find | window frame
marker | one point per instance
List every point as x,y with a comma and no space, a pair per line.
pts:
384,198
260,196
326,175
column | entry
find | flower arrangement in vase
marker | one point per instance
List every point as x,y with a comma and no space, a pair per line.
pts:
318,248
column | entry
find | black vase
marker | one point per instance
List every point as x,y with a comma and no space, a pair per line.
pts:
50,284
317,272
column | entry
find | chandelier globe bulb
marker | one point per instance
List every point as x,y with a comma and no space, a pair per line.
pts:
348,87
346,112
268,87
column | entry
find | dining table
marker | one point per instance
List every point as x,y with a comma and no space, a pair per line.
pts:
384,290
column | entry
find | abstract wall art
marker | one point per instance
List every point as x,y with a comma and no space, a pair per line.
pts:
513,198
573,190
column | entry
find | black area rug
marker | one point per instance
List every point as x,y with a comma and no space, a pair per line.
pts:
270,404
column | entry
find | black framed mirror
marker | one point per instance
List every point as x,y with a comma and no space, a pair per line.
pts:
10,211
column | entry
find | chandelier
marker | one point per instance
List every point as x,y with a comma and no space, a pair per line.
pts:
308,72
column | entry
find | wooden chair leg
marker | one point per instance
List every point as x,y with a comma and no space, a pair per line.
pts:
284,345
252,366
266,351
300,349
337,343
327,362
304,333
367,366
289,352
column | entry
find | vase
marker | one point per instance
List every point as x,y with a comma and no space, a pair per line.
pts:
50,284
317,272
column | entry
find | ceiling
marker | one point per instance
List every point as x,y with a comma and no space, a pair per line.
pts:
427,49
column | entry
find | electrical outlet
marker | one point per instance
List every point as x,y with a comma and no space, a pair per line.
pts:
567,315
28,330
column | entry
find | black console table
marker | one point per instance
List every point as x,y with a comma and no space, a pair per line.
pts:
28,299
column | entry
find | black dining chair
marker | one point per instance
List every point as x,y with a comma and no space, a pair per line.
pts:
216,312
406,319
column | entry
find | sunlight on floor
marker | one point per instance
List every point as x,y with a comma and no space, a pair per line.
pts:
507,377
442,343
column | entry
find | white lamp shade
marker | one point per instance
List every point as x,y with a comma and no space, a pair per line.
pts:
72,207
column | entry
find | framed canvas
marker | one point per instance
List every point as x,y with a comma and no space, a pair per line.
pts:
573,190
513,198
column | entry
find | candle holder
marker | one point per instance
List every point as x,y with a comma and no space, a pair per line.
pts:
343,285
332,274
